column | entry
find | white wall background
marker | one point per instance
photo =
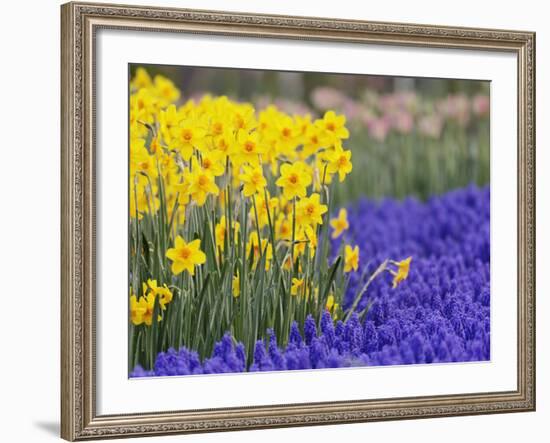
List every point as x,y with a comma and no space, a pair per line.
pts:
29,198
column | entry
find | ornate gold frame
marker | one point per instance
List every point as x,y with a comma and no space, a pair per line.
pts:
79,420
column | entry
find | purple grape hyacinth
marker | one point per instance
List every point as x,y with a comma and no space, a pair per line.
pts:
441,313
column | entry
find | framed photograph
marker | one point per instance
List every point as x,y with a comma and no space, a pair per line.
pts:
281,221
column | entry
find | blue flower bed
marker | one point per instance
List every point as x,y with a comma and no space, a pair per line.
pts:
441,313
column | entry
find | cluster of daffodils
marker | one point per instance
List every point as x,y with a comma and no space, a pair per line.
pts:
142,309
227,199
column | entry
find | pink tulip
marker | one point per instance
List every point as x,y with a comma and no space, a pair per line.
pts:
481,104
407,100
456,107
351,109
388,103
379,128
431,125
327,98
403,122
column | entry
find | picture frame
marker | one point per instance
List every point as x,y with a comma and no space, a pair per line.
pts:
80,24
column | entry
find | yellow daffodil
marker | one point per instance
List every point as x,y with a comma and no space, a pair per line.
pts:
142,200
324,176
253,180
201,184
149,304
310,210
164,294
221,200
351,258
294,180
270,155
218,111
220,234
243,118
166,90
166,161
311,235
236,285
185,256
248,148
144,105
267,117
333,126
141,161
262,207
212,162
258,248
313,141
306,237
330,302
297,284
332,306
187,110
221,231
169,119
285,205
287,263
218,125
188,136
224,143
138,308
141,79
340,223
286,136
155,146
142,309
339,161
182,190
283,228
402,273
302,123
137,128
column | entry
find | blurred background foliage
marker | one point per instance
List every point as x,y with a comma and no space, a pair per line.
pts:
408,136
